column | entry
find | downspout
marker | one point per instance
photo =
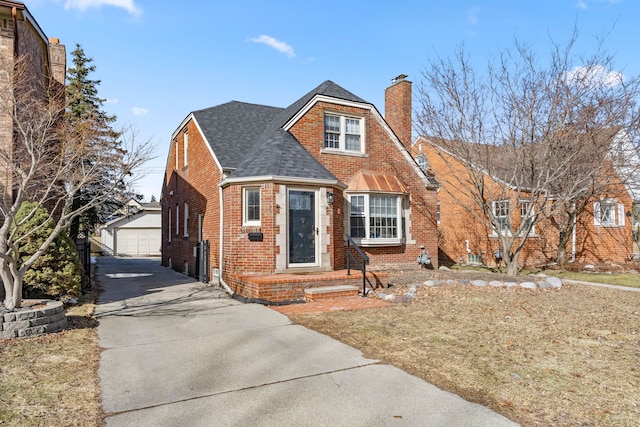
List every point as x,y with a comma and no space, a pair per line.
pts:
573,235
16,45
222,282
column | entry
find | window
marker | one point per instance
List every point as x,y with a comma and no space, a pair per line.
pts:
169,228
421,160
176,149
185,147
438,213
343,133
376,219
357,217
501,213
186,220
526,215
608,213
251,206
177,219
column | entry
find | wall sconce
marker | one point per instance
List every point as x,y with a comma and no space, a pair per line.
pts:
329,197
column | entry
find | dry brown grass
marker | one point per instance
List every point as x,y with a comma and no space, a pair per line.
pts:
52,380
563,357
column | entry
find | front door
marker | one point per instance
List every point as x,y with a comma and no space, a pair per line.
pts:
302,227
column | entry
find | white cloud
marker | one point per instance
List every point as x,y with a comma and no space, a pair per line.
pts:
111,101
582,5
128,5
595,75
139,111
473,15
276,44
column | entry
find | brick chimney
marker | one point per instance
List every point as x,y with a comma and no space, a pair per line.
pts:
397,108
58,57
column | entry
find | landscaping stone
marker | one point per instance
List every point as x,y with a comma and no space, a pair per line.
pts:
589,267
555,282
429,283
479,282
543,284
444,268
32,322
528,285
451,282
496,283
511,284
632,271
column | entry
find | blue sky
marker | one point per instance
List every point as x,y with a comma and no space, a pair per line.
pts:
159,60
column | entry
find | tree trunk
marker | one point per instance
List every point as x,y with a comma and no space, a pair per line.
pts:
563,239
13,297
511,261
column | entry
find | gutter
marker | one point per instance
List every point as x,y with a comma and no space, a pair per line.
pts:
221,231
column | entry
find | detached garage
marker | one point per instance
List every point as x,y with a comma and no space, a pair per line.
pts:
136,234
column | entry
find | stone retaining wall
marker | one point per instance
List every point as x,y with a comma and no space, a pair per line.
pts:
28,323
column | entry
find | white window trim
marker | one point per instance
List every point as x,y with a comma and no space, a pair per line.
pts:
618,213
532,232
506,232
245,207
421,161
185,147
374,242
342,137
186,220
177,150
177,219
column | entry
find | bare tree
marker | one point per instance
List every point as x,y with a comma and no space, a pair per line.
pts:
528,136
45,162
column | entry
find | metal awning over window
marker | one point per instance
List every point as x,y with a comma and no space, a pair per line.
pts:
375,183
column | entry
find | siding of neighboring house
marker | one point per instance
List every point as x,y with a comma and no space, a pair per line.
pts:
463,238
22,40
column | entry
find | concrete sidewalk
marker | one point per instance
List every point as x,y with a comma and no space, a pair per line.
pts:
180,353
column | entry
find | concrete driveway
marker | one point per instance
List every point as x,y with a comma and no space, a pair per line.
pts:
180,353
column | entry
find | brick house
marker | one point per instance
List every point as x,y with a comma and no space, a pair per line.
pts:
23,42
275,190
603,230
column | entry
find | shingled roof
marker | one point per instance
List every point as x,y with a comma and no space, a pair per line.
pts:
232,129
250,138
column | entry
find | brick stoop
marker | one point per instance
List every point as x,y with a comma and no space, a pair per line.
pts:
287,287
330,292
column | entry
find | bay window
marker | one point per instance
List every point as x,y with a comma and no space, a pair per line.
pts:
376,219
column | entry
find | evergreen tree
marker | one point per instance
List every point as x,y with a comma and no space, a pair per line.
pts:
85,108
58,272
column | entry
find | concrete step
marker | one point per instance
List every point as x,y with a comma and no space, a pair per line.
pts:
330,292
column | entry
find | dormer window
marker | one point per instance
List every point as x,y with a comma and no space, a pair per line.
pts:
343,133
421,160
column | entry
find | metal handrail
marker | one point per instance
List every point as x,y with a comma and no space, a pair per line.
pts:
365,261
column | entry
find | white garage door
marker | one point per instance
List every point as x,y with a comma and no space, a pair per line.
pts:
137,241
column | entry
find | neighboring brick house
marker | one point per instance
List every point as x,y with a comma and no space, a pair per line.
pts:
24,44
275,190
603,231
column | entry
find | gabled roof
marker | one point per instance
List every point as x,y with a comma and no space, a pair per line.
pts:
276,152
250,140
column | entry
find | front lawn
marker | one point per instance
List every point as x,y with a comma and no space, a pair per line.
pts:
540,357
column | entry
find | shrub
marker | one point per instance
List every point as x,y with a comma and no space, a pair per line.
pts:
58,272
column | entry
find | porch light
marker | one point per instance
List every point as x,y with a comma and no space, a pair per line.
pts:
329,197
